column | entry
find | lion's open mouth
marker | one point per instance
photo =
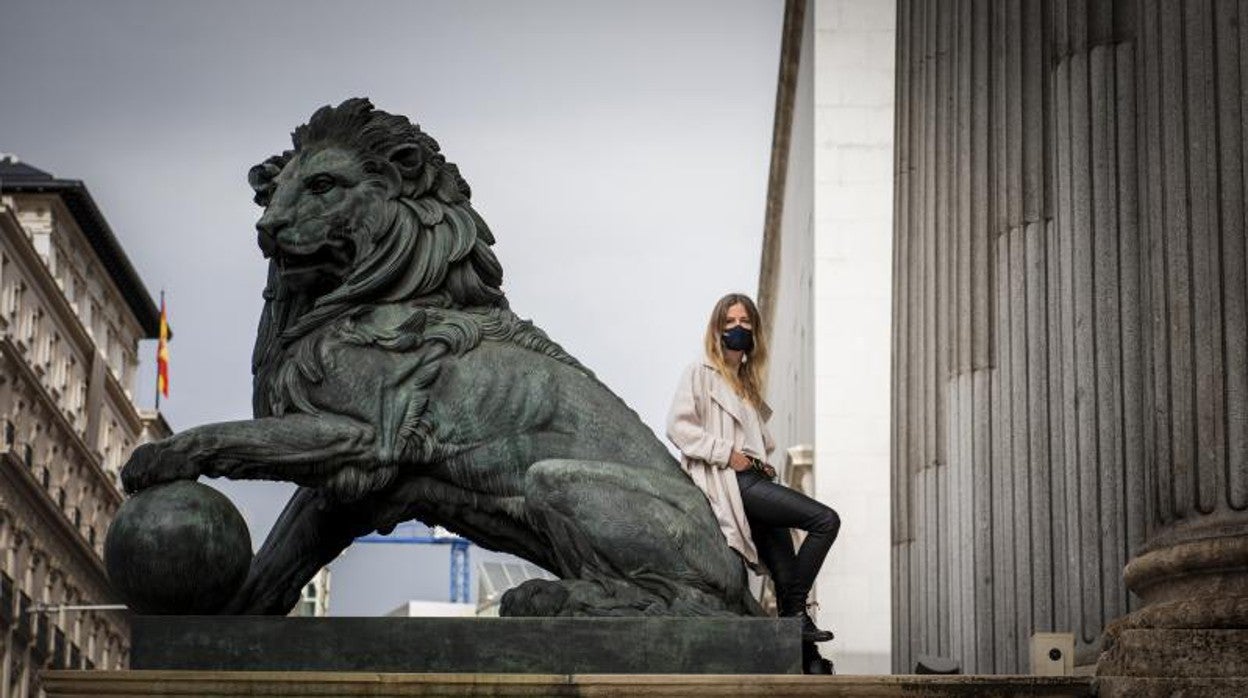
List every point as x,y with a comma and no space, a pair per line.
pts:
329,259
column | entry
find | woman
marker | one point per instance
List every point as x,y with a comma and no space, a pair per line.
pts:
718,421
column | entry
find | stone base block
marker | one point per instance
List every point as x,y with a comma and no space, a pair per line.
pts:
1140,687
1176,663
476,645
1174,653
175,684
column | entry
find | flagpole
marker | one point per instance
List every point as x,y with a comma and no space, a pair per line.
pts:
162,310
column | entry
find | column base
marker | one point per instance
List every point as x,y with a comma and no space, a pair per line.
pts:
1164,653
1178,648
1191,637
1137,687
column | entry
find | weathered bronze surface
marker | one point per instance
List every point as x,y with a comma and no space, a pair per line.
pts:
392,382
180,547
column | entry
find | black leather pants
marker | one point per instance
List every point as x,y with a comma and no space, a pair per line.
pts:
772,510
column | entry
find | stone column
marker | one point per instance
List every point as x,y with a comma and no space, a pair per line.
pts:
1070,383
1192,572
1016,406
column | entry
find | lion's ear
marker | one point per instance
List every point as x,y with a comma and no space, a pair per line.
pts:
261,178
407,157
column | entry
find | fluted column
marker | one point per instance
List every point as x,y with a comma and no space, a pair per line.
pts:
1097,313
1070,385
980,550
1192,571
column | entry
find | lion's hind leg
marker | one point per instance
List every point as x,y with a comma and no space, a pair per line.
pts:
627,541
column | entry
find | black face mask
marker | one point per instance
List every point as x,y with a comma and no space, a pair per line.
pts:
738,339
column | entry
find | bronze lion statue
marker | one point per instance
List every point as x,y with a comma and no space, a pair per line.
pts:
393,382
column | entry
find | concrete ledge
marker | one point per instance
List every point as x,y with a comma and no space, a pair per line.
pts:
470,645
175,684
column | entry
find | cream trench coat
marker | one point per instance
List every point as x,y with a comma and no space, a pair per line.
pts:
707,422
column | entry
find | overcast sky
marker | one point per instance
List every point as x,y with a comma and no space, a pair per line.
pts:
618,150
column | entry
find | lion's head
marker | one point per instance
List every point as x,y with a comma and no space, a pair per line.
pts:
365,209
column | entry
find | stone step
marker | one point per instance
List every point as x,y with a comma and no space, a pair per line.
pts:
80,684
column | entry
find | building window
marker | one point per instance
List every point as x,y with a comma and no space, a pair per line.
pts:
32,330
7,589
41,631
307,601
15,300
23,614
90,319
80,409
52,360
113,352
15,675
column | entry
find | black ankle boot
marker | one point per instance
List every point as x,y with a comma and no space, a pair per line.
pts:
819,665
813,662
810,632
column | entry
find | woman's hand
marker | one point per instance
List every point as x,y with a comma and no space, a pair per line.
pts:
740,462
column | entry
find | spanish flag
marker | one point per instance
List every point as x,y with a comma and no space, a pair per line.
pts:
162,353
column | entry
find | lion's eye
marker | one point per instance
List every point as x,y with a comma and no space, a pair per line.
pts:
320,184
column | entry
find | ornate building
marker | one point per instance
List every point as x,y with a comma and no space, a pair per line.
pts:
72,311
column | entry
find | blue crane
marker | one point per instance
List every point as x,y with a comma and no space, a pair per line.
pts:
413,533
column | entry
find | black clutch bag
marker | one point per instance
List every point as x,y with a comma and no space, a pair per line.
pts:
762,468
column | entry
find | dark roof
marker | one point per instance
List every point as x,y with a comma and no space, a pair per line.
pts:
20,178
16,169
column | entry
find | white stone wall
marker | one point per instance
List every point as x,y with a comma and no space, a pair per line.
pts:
790,372
853,114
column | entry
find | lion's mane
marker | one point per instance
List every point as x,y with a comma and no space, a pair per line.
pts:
436,251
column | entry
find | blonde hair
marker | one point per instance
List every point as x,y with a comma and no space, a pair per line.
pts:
747,380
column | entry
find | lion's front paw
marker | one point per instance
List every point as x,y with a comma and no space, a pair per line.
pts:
155,463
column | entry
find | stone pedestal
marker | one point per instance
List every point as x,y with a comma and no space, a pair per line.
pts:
471,645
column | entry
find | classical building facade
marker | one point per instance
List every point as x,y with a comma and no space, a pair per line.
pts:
72,311
1070,393
1058,225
